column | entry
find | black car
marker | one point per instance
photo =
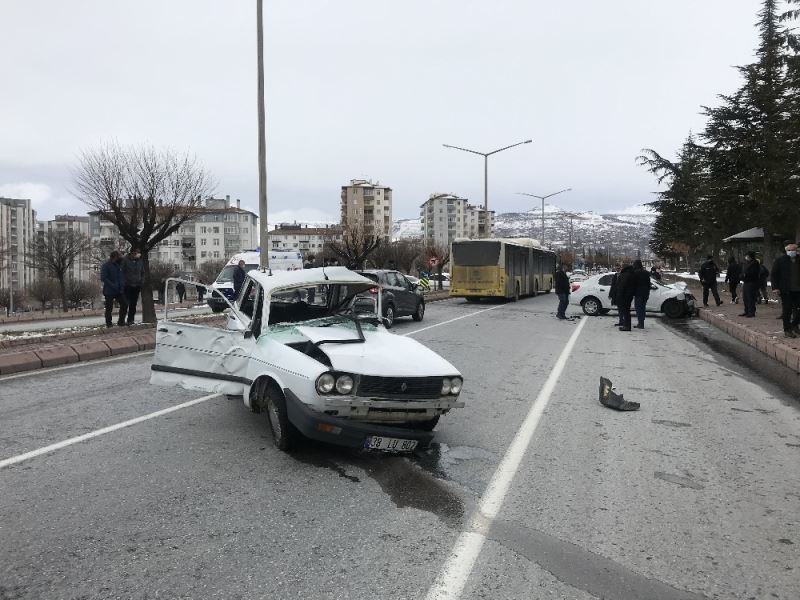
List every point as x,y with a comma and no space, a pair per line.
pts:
400,298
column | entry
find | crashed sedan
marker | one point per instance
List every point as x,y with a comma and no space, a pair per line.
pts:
310,350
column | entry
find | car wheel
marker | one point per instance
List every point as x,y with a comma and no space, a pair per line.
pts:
427,425
284,434
672,308
420,312
217,309
591,306
388,314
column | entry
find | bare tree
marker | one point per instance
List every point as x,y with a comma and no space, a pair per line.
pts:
19,299
54,252
402,255
147,193
159,273
208,271
44,289
355,247
79,291
442,256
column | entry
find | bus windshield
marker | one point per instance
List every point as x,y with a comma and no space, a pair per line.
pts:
476,253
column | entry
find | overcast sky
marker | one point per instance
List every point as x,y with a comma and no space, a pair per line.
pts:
367,88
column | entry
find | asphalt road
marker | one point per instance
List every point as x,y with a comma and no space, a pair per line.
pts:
696,495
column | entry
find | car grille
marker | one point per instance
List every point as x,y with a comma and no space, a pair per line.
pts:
402,387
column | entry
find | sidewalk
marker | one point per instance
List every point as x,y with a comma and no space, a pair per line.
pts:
763,332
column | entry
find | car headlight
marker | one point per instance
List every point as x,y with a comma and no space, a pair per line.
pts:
325,383
445,386
455,385
344,384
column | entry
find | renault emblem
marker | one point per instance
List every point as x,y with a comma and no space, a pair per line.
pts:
403,386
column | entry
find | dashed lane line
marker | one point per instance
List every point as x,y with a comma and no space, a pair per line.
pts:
453,577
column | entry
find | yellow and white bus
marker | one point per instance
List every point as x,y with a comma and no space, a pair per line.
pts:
500,268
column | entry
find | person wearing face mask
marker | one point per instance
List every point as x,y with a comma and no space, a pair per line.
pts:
750,288
786,282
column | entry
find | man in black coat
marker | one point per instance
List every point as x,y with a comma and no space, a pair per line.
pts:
733,277
786,282
708,277
750,288
562,291
238,278
642,292
626,290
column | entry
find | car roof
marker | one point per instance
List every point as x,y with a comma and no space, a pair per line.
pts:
318,276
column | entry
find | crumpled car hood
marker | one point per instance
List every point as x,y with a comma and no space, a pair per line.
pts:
384,354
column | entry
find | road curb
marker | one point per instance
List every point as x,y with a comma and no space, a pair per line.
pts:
54,356
767,344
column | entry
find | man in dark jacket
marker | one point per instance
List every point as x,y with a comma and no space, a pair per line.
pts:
708,277
733,277
750,286
113,287
562,291
238,278
626,290
612,297
642,292
133,272
786,282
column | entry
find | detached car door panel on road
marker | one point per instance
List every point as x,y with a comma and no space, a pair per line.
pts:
309,349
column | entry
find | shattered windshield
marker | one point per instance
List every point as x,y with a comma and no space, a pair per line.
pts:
322,305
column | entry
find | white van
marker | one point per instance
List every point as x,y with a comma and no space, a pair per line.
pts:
279,260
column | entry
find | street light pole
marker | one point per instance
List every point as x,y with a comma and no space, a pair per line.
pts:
543,198
262,145
486,156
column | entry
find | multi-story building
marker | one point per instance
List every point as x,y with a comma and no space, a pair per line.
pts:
304,239
219,232
368,205
17,231
84,268
445,217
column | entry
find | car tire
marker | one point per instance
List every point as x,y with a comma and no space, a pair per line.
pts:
217,309
284,434
673,309
428,425
389,315
420,312
591,306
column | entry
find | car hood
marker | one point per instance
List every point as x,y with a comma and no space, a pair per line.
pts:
382,353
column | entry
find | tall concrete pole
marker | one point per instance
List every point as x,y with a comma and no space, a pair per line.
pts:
263,238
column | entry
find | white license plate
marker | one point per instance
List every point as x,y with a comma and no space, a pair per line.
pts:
391,444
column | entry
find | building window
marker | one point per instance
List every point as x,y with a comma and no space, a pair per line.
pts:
203,242
216,229
203,254
216,241
216,253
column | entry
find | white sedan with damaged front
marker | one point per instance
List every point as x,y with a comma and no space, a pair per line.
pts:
310,350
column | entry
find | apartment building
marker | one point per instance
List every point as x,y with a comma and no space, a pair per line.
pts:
219,232
304,239
445,217
84,268
368,205
17,231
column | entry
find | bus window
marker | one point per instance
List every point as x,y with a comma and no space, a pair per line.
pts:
476,254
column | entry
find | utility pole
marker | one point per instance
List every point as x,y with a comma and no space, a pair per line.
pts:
543,198
262,145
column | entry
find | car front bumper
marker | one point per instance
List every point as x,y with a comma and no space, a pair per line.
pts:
343,432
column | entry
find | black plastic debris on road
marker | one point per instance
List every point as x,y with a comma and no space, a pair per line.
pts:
611,399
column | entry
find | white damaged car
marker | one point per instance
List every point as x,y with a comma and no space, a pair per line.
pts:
310,350
591,295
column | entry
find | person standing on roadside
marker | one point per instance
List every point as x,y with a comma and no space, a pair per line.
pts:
750,286
181,289
562,291
733,277
708,278
612,297
238,278
626,290
201,290
786,282
114,287
133,272
642,291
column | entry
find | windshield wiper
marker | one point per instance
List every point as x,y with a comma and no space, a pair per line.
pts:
359,340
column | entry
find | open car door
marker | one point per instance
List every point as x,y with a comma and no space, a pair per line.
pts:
205,352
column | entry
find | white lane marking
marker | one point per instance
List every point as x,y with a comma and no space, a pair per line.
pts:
86,363
453,576
472,314
98,432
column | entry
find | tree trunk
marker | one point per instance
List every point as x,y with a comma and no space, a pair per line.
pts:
62,288
148,308
767,254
